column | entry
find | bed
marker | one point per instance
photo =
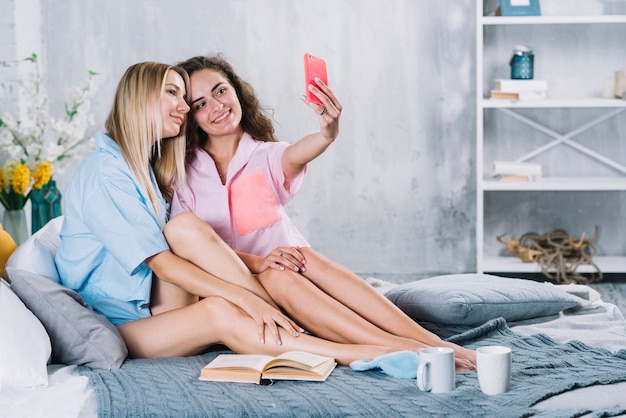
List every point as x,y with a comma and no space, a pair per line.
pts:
569,355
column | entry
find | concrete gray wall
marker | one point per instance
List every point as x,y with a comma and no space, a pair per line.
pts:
396,192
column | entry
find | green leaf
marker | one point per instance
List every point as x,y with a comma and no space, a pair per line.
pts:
70,113
32,58
4,201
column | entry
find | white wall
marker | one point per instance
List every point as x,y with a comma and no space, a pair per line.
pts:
396,192
9,94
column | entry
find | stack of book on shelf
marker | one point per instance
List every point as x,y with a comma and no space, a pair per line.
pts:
516,171
508,89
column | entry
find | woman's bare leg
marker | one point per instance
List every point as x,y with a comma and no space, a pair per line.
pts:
345,287
194,240
194,328
324,316
167,296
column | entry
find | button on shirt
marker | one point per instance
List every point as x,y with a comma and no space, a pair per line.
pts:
109,229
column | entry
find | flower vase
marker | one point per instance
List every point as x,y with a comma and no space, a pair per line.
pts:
14,222
45,205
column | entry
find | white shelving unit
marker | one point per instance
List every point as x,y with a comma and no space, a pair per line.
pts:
610,108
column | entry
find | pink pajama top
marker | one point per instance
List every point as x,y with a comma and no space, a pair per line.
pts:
248,211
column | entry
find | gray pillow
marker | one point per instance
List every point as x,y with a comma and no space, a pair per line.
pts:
473,299
78,334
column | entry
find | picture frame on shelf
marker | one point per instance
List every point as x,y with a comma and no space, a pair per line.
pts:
519,8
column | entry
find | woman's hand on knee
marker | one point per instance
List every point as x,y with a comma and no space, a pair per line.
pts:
282,258
266,316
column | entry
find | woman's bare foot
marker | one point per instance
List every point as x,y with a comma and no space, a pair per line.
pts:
463,365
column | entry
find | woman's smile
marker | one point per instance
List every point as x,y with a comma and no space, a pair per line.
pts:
222,117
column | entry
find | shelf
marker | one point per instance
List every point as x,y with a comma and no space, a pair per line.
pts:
560,119
559,184
512,264
550,20
554,103
566,138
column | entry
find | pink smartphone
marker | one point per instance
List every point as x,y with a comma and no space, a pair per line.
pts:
314,67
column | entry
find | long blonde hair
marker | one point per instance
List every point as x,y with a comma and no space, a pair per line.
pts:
135,124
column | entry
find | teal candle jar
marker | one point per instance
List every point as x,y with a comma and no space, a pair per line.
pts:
522,63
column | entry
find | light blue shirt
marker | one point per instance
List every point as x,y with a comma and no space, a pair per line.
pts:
109,229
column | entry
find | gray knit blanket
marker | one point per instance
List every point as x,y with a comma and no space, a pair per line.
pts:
169,387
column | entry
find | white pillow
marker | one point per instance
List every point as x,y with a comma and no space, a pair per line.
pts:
24,344
37,253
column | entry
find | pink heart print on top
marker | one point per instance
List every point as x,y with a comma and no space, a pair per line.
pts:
252,203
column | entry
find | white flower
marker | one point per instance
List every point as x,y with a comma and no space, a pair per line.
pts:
52,152
13,151
8,120
43,138
6,138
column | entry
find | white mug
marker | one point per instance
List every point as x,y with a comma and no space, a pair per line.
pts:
435,372
493,364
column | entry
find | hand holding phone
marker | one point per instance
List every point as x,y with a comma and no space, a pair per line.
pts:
314,67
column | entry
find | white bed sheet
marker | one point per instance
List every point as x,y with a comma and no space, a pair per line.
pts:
67,395
595,323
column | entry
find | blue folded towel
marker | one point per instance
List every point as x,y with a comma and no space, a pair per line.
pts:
402,364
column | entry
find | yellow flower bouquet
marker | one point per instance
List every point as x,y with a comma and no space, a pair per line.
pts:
17,182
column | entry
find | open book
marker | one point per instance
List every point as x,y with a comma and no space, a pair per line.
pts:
292,365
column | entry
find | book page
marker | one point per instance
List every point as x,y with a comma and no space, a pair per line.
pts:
317,373
252,361
298,359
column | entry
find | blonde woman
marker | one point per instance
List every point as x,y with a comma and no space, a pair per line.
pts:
172,288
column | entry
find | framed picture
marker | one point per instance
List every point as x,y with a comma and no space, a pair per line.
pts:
520,8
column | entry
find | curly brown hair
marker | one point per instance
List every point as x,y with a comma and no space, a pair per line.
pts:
254,120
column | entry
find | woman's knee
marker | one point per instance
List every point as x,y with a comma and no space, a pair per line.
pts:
185,228
281,283
314,259
215,306
222,314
